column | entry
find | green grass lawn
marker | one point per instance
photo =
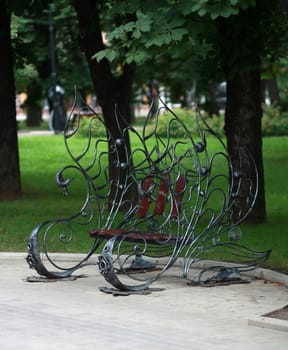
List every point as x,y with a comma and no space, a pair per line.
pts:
42,156
274,233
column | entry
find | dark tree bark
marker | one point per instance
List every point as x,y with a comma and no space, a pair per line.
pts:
10,187
33,104
34,116
244,92
110,90
243,127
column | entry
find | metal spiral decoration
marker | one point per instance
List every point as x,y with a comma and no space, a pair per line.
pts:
168,198
63,231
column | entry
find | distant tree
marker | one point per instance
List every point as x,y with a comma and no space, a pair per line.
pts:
10,185
32,47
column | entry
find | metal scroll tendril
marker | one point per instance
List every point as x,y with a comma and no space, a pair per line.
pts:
167,198
88,165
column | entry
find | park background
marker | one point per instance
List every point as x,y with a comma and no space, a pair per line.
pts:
181,53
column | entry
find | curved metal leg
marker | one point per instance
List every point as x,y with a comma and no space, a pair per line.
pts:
115,265
107,269
37,255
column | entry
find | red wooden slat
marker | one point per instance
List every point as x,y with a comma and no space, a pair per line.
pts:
148,236
179,190
145,200
162,195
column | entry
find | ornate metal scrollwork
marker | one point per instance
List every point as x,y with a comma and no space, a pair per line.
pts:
165,198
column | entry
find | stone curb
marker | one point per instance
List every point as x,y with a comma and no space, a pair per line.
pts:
267,322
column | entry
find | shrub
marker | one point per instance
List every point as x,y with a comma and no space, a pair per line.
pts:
188,116
274,122
93,124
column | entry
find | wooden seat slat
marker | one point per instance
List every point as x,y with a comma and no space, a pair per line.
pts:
130,235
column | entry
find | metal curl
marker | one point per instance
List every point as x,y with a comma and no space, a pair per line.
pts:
187,220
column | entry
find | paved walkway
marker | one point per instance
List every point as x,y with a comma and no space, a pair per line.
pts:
25,133
76,315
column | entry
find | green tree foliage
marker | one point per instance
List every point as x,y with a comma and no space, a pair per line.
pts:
193,32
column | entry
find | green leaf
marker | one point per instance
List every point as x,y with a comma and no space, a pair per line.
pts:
177,34
120,33
109,54
137,56
158,40
143,22
214,15
229,12
176,22
136,34
196,7
202,12
189,6
99,56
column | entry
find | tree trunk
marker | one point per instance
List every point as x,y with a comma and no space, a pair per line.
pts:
10,187
243,127
33,103
110,91
34,116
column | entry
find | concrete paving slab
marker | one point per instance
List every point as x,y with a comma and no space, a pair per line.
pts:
76,315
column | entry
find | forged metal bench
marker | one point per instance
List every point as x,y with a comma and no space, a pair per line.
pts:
168,199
